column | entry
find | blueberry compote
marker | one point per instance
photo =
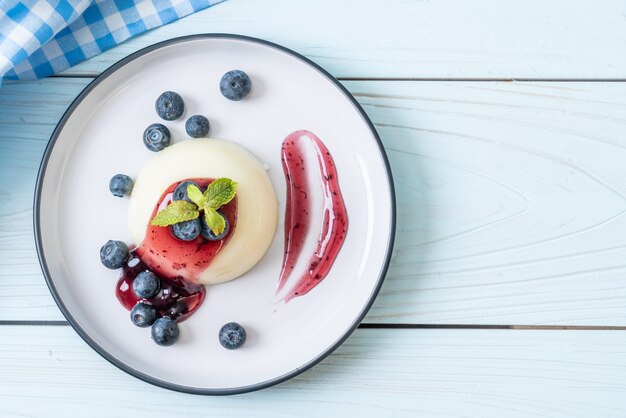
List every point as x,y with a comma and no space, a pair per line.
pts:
177,263
177,297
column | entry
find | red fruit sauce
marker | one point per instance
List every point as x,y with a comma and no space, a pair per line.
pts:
177,263
298,214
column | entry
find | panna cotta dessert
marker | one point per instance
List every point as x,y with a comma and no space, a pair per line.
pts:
252,215
203,211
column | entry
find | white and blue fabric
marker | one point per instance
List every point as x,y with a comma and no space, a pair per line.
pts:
42,37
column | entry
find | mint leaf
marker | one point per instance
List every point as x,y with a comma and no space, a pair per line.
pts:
196,195
220,192
216,222
175,212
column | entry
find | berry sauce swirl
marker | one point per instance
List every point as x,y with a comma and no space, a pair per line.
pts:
298,214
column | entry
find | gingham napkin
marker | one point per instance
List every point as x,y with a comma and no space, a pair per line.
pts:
42,37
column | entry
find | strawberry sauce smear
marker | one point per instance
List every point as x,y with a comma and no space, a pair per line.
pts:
176,263
298,214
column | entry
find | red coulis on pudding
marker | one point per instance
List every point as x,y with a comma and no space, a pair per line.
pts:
298,214
176,263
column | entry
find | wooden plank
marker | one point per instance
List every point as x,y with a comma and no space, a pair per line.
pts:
49,371
28,114
511,200
426,39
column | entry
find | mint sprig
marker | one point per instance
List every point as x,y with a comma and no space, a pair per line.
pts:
195,195
217,194
220,192
175,212
216,222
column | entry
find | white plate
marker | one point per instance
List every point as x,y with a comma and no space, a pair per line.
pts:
100,135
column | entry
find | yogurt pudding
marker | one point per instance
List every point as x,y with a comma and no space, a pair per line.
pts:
253,215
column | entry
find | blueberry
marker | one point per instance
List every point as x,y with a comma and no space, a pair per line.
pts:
180,192
197,126
170,105
208,234
235,85
232,336
156,137
146,284
186,231
165,331
121,185
143,315
113,254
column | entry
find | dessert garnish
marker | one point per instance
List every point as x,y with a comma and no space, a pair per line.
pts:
156,137
146,284
232,336
121,185
114,254
218,193
169,105
298,214
235,85
197,126
143,314
165,331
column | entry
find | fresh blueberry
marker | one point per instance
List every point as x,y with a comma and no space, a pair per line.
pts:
232,335
121,185
208,234
187,230
197,126
180,192
170,105
165,331
235,85
146,284
156,137
114,254
143,315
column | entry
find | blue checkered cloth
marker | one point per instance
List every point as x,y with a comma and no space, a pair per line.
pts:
42,37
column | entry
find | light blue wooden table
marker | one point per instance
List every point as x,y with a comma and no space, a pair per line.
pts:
505,123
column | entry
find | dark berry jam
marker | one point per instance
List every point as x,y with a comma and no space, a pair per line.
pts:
177,263
177,298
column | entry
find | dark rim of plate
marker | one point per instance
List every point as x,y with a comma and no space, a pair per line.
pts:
50,282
